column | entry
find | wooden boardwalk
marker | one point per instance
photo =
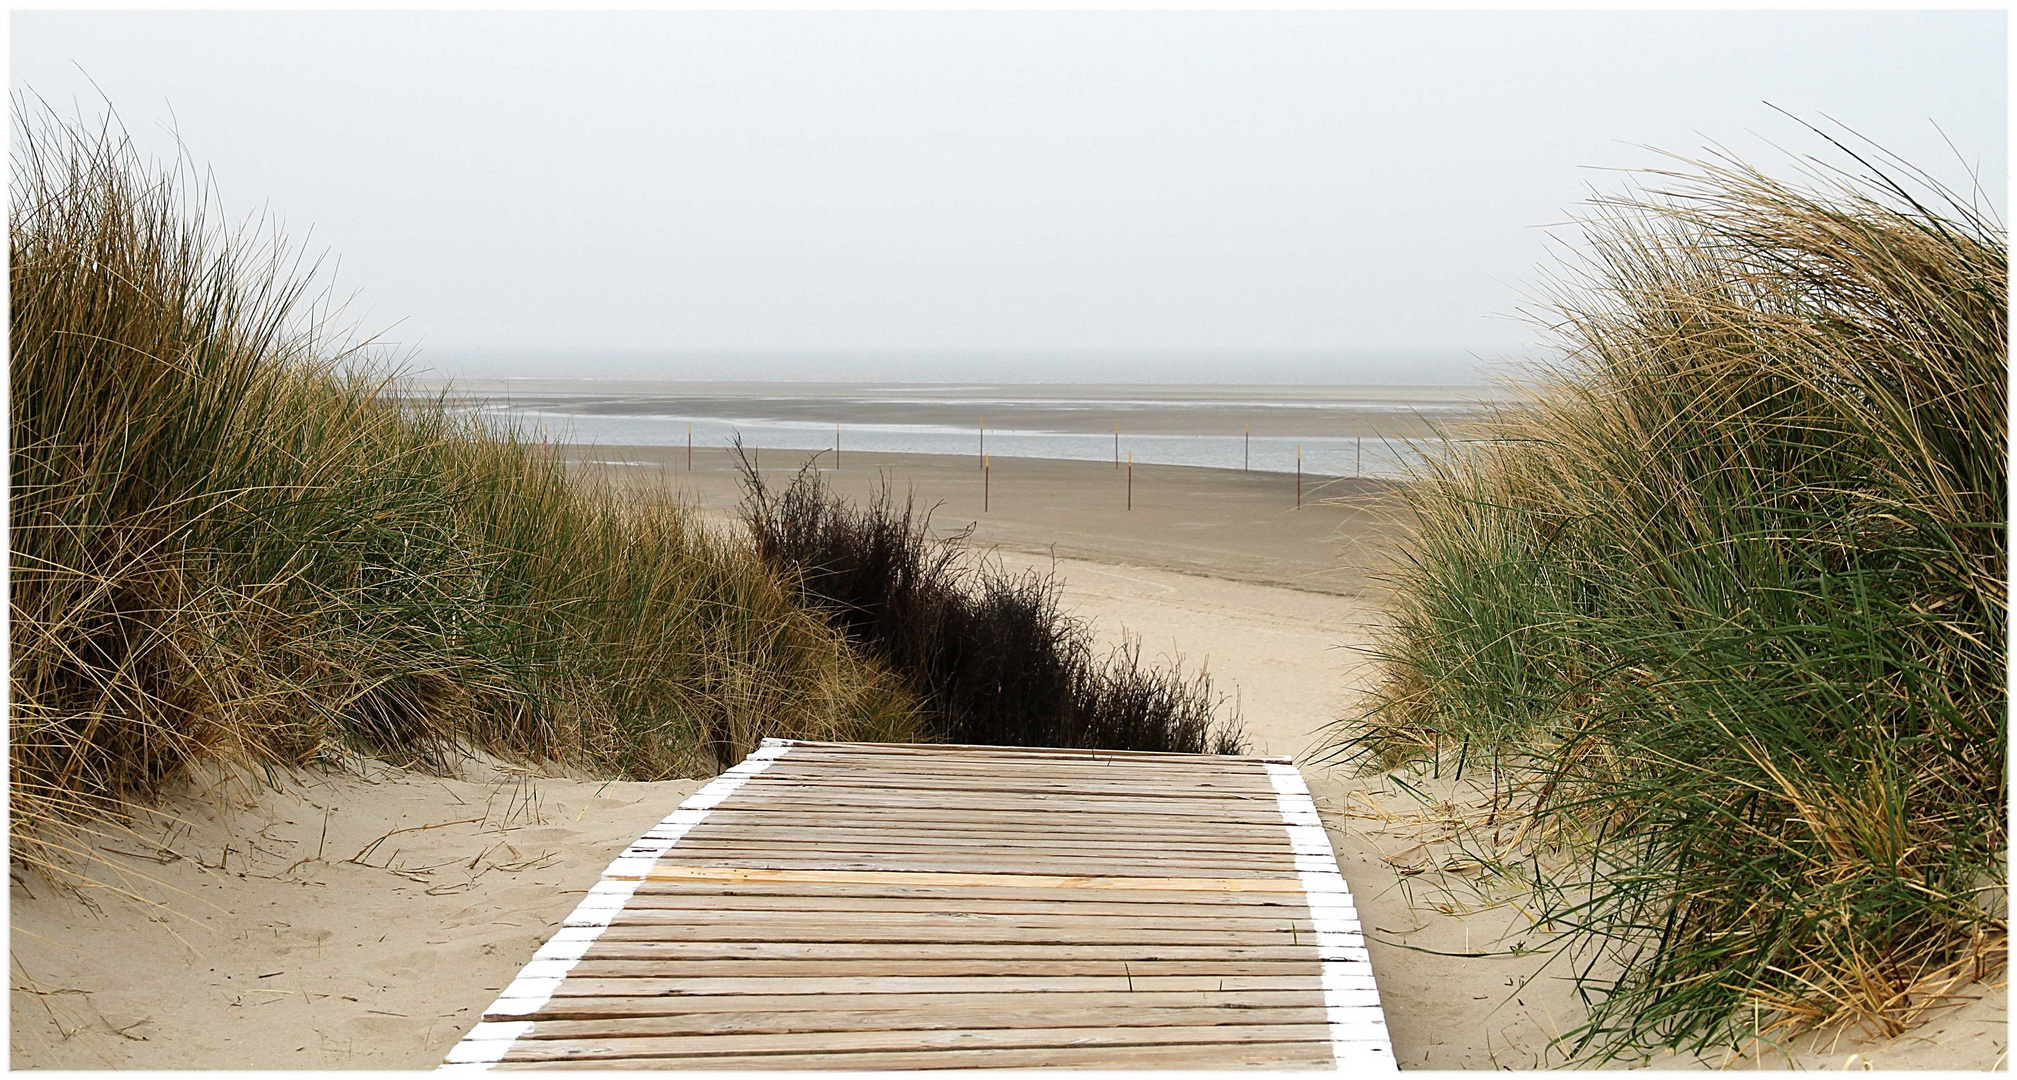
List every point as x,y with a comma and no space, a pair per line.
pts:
870,906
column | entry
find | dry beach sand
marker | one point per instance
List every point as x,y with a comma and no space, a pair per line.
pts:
361,916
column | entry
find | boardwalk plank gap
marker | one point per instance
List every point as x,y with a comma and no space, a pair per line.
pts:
905,906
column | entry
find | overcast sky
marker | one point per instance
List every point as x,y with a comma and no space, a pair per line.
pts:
681,180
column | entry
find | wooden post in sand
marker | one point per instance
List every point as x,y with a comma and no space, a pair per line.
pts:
1299,476
836,448
986,476
1247,453
689,446
1131,480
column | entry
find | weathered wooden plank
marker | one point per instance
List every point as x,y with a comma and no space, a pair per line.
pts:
1276,866
1083,776
1124,883
710,918
805,751
1054,863
1033,1013
977,751
1298,1055
865,795
959,765
1252,809
862,841
1045,813
1175,785
1035,810
856,933
1067,837
820,839
632,981
1012,786
756,892
827,815
1142,852
1118,1004
1168,785
1009,860
984,767
609,947
899,965
1253,812
934,903
856,842
990,754
535,1048
1031,815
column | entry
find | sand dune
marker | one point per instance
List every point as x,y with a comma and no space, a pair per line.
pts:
362,915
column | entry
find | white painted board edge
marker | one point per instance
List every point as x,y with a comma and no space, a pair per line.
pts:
1359,1040
490,1040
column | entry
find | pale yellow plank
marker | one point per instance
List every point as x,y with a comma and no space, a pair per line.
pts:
1118,1003
1299,1055
939,917
593,967
629,980
1033,1012
568,1049
663,872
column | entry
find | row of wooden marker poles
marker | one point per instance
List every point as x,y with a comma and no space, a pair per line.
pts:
1246,461
987,464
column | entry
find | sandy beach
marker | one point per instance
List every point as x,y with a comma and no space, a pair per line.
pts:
392,393
1212,522
361,916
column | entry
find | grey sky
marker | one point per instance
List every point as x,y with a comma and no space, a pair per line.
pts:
678,180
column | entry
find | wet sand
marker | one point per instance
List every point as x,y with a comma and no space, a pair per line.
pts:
1404,412
1244,526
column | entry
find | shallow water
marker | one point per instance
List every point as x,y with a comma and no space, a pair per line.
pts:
1336,432
1329,456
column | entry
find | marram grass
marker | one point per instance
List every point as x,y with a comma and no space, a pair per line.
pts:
224,549
1723,611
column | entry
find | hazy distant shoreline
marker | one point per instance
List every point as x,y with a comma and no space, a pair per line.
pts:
1371,431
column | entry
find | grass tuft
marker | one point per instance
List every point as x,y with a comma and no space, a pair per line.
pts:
988,652
1722,614
225,548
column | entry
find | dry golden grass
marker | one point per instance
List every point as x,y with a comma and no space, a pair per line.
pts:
1724,608
226,549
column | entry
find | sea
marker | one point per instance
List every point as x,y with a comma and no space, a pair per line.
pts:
1385,439
1380,429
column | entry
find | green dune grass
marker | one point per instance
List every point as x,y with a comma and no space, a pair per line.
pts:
226,549
1719,616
